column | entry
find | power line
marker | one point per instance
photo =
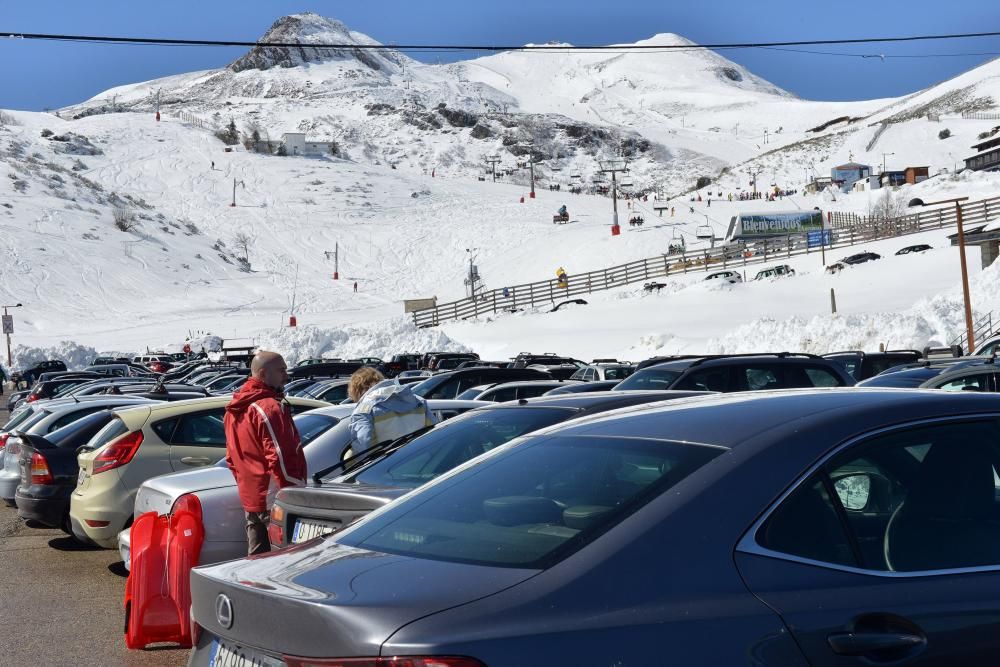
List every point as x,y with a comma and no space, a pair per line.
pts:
541,48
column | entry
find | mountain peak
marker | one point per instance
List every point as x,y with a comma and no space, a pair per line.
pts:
309,28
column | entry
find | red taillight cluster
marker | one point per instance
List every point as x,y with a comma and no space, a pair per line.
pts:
31,398
275,528
40,473
188,503
3,440
118,453
397,661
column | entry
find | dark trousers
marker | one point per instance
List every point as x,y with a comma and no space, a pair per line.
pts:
257,539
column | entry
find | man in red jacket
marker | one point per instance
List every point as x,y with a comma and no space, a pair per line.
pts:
262,443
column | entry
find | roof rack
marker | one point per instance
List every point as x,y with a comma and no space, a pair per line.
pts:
949,351
780,355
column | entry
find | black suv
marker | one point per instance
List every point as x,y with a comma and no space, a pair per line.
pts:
31,374
859,258
863,365
525,359
330,368
399,363
433,360
741,372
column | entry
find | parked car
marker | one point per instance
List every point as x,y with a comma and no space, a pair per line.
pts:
859,258
449,359
772,272
921,247
48,469
512,391
846,528
988,347
562,371
525,359
141,443
965,373
48,389
415,374
326,368
863,365
750,372
382,475
31,374
331,391
214,488
603,371
724,276
583,387
399,363
451,383
48,417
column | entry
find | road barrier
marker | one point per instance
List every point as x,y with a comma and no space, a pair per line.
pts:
846,230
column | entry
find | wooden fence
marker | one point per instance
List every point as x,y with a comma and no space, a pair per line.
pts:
731,256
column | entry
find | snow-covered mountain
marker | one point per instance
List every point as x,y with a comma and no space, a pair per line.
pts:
117,230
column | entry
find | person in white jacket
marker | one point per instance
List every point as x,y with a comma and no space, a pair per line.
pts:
385,413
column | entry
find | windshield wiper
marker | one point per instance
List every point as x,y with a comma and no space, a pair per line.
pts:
369,454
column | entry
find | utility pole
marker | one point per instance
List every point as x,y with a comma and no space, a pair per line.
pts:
473,272
531,166
492,160
8,329
969,333
295,288
613,166
234,190
336,259
157,102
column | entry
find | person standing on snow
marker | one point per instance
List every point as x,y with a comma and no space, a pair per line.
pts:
355,286
262,444
383,414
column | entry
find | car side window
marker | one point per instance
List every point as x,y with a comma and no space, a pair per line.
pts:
505,394
761,377
980,382
708,379
73,416
165,429
201,428
821,377
920,499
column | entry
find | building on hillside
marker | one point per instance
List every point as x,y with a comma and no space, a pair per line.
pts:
295,144
818,184
907,176
846,175
987,237
987,157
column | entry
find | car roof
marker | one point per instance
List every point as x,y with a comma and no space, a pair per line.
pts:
593,400
964,370
68,404
724,360
733,419
530,383
208,402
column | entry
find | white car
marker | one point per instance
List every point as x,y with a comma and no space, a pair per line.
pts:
724,276
212,490
988,347
41,419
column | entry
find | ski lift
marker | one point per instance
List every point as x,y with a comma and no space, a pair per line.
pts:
704,232
627,183
575,175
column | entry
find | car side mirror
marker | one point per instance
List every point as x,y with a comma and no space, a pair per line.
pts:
854,490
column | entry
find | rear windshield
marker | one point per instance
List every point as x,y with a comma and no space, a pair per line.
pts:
650,378
449,445
310,426
24,419
78,432
532,505
900,379
115,429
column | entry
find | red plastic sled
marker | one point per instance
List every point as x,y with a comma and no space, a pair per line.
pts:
158,590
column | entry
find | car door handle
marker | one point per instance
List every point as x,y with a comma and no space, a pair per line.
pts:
196,460
863,643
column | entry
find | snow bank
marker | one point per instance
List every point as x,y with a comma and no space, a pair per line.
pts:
74,355
381,339
933,321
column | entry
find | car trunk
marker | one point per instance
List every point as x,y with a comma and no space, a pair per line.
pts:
159,493
330,600
314,511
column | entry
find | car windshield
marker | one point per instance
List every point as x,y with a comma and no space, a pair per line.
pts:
902,379
23,419
310,426
451,444
533,504
649,378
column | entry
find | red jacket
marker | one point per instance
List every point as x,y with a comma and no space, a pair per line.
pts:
262,442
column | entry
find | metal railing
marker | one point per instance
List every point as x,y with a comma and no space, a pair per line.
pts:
984,327
846,230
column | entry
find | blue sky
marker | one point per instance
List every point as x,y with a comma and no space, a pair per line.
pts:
37,75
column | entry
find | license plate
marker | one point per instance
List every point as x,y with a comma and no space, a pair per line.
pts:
81,478
225,654
306,530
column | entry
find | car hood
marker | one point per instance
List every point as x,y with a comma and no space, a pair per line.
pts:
323,598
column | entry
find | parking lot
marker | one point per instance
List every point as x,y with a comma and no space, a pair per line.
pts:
62,602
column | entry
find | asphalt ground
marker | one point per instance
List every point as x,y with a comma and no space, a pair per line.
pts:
61,602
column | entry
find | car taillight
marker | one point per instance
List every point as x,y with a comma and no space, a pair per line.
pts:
40,473
276,527
188,503
31,398
3,440
118,453
397,661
